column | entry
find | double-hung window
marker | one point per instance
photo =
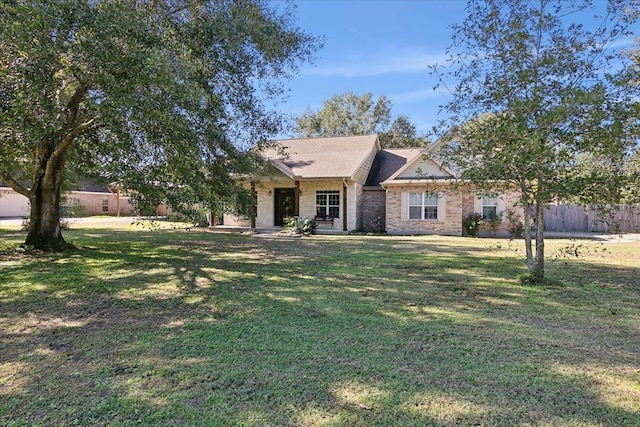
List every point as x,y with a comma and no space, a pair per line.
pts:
423,206
328,203
489,206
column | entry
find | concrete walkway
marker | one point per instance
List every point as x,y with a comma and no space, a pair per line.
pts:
606,238
266,231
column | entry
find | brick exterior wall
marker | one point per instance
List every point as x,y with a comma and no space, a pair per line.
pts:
308,198
373,208
451,225
509,201
459,203
99,203
354,206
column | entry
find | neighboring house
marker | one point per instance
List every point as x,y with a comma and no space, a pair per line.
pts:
99,200
86,199
360,187
12,204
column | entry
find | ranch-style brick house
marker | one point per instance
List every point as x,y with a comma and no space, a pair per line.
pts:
86,198
349,184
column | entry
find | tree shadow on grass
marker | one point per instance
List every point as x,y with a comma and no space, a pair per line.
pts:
201,330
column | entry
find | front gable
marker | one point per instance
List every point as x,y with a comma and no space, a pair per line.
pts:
274,172
421,167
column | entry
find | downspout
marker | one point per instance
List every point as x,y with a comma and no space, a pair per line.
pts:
386,195
344,204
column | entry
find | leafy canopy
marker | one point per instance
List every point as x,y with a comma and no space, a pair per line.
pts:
352,114
163,96
537,85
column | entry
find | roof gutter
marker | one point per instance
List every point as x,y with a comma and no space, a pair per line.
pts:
417,181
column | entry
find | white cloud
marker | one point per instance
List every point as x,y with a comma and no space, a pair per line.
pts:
623,43
417,95
355,31
401,61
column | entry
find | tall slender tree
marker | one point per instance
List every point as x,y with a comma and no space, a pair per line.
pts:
163,96
537,84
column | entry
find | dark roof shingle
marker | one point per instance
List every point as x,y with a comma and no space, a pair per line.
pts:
388,162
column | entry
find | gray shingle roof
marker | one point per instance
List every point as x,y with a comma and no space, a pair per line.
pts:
327,157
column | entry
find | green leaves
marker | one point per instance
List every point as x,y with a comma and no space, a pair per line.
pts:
549,86
163,96
351,114
537,93
347,114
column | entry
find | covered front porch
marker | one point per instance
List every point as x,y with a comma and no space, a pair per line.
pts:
331,202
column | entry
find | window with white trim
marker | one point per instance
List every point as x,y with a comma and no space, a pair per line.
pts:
328,203
105,205
489,206
423,206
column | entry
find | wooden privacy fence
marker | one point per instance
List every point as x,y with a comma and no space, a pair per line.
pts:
599,219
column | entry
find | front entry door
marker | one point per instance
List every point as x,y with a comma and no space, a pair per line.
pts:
284,205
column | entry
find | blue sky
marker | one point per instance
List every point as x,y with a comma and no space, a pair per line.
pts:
381,46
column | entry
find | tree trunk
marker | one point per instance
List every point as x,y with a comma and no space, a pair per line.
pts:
49,158
535,262
44,230
527,235
536,270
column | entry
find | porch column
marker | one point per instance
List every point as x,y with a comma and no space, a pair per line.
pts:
296,199
344,206
254,205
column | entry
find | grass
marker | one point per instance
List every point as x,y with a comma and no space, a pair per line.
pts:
174,327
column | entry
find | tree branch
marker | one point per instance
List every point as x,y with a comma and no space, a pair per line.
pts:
19,188
69,137
61,149
74,103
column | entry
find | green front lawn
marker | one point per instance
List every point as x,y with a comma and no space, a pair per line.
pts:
173,327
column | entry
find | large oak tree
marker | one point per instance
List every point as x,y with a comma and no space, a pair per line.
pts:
163,96
537,85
